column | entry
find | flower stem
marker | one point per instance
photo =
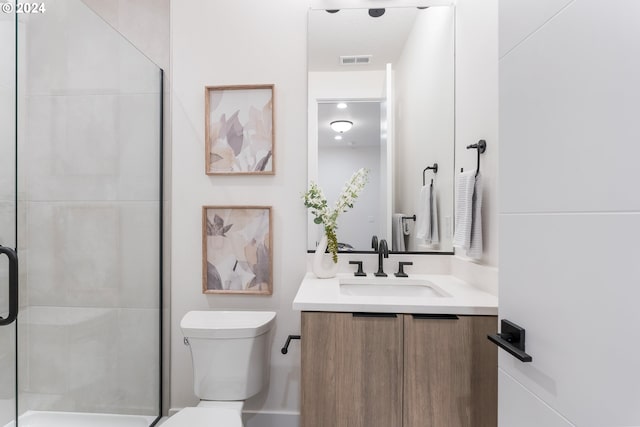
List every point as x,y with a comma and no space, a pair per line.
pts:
332,243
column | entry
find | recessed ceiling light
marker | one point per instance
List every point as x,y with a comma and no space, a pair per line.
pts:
337,137
341,105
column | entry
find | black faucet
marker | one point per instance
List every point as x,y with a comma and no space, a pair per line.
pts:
383,251
374,242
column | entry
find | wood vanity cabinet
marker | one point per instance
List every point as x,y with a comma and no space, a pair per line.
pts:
369,370
351,370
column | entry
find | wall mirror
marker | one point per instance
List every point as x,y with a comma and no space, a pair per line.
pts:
390,72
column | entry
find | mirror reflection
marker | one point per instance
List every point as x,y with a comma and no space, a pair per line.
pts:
381,96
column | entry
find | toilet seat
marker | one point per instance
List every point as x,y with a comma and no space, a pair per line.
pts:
205,417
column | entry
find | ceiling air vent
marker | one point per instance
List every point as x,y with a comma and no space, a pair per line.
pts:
355,60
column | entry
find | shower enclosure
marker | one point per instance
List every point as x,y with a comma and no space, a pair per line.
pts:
80,203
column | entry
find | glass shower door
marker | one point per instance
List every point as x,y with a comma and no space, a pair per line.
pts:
88,180
8,279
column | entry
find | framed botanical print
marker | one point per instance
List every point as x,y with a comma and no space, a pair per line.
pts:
237,250
239,130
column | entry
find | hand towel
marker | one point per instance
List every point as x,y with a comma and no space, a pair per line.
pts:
475,248
427,217
397,231
433,237
465,182
423,215
405,228
468,217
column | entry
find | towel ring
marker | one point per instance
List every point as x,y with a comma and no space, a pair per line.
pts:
481,146
434,168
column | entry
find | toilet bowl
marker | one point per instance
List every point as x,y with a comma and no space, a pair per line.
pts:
230,351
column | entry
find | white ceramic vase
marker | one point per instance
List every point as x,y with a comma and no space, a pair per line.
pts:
323,265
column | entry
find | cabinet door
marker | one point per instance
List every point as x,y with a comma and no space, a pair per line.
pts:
450,372
318,406
351,370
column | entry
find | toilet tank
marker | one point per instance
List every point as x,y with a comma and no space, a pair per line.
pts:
231,352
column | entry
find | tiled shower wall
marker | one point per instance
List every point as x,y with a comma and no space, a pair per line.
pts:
7,208
89,199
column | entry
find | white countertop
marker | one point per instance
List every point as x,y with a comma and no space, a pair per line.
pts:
461,298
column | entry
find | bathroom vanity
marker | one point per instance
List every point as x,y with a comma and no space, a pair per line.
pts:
388,352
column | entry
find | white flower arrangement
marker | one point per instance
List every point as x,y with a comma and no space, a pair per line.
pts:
315,199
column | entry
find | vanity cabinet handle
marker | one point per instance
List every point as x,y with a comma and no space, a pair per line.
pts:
390,315
435,316
511,340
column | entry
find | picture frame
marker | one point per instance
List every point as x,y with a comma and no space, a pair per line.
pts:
237,250
239,130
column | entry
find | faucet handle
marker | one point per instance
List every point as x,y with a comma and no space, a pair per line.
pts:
401,265
359,272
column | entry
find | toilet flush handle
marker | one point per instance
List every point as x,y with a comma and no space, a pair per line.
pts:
285,349
186,341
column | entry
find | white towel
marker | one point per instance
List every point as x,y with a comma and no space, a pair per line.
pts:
398,232
475,249
405,228
434,237
468,218
427,217
423,214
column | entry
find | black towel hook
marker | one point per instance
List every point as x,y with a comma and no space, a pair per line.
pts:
481,146
434,168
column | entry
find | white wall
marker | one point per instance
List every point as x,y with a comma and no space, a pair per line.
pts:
570,210
424,122
477,118
336,165
239,42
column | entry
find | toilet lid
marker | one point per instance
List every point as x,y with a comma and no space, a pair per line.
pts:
205,417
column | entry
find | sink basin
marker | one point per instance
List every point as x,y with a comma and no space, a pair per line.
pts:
390,287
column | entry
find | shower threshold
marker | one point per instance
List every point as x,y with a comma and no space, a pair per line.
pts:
80,419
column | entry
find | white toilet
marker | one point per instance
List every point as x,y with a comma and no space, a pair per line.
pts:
230,351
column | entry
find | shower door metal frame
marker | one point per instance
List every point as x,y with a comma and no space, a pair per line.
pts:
161,257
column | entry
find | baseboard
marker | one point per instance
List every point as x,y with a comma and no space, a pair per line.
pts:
264,419
271,419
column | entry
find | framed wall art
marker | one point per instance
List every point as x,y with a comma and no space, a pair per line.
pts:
237,250
239,130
